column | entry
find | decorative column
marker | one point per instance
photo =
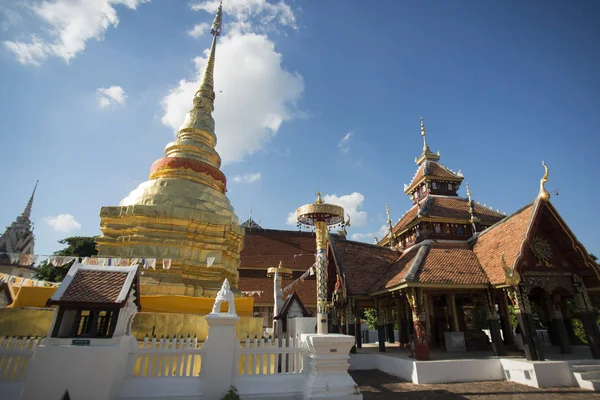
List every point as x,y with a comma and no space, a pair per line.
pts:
560,336
402,323
494,324
568,318
389,319
420,342
588,316
321,216
507,330
519,295
429,318
357,327
452,300
380,325
278,274
350,320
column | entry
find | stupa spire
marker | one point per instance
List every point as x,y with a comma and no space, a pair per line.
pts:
544,194
205,96
27,211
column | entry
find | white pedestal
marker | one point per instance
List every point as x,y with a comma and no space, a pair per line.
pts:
218,358
328,360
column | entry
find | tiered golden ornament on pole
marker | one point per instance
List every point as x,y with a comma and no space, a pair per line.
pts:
321,216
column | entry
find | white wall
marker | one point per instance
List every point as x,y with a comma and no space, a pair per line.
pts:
539,374
86,372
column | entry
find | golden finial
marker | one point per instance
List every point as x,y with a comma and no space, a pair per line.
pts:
424,134
280,263
544,195
468,193
215,30
390,227
319,199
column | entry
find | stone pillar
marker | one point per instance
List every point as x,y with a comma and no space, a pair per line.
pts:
452,300
380,325
328,362
420,343
357,328
389,319
588,316
560,336
520,297
507,329
494,325
429,320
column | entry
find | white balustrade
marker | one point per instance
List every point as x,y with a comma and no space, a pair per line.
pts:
15,354
270,358
166,358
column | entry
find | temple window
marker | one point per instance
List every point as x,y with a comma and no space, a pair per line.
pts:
450,187
434,185
89,323
447,230
438,228
460,230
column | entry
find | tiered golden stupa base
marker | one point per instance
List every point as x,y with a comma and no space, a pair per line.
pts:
186,222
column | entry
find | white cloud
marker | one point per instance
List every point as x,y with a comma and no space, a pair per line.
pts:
199,30
352,204
247,178
370,237
252,15
110,96
254,95
344,143
70,24
63,223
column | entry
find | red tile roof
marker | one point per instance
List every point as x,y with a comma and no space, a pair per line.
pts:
504,238
451,207
265,248
451,263
362,264
435,263
89,286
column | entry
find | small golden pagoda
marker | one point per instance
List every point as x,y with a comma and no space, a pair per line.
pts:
181,212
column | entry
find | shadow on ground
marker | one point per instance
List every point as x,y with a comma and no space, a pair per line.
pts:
375,384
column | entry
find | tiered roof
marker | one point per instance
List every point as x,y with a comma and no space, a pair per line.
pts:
430,169
446,209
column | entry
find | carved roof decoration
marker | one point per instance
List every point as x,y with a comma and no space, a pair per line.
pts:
18,236
251,224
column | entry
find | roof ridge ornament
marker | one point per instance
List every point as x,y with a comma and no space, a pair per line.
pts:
544,194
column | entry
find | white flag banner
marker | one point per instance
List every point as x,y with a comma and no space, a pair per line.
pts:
210,261
135,261
166,263
151,263
85,260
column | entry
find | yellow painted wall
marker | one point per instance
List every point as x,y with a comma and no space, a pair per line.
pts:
37,321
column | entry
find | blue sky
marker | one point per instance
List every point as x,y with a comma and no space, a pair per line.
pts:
90,97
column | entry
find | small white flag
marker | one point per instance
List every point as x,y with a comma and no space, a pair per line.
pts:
166,263
151,263
210,261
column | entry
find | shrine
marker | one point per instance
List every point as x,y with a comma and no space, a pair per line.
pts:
451,269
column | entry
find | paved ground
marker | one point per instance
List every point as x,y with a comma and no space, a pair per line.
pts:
375,384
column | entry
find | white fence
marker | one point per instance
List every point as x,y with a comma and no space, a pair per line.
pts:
270,358
166,358
15,354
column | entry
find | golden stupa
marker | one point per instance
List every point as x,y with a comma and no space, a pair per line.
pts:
181,212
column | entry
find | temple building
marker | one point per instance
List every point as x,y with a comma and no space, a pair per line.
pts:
17,244
450,269
181,212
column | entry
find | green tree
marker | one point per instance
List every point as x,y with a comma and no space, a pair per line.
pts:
77,246
371,317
